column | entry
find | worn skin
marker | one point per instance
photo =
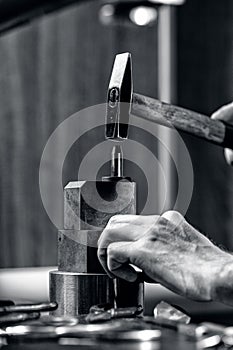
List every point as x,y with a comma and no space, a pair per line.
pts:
169,250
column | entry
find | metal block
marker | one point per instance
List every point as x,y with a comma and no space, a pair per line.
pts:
75,293
89,205
80,282
77,251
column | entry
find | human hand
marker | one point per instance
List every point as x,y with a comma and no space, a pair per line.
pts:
225,114
168,250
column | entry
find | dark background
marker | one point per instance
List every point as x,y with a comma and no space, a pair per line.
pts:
60,64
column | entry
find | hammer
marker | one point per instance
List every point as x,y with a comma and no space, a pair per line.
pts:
121,102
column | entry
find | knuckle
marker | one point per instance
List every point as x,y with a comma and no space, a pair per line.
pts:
115,218
105,237
173,216
112,219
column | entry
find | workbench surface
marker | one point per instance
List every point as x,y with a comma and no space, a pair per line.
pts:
170,340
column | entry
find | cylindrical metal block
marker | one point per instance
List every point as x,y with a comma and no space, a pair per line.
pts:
75,293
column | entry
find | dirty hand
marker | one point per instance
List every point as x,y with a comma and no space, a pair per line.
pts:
169,251
225,114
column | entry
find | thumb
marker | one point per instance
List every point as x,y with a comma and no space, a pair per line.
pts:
225,113
229,156
119,258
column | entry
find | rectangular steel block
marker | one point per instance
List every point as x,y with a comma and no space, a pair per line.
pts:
77,251
88,205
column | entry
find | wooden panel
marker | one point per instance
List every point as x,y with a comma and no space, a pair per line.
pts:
205,77
49,70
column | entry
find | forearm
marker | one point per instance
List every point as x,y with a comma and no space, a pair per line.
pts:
222,289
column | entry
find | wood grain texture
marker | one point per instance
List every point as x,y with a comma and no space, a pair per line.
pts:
179,118
49,70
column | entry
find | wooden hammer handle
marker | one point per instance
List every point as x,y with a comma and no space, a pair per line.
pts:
182,119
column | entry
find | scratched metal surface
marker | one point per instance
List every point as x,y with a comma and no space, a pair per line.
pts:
170,340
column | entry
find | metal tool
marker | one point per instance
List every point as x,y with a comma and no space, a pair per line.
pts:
207,334
121,101
228,336
204,335
117,162
6,303
14,318
12,314
119,98
49,320
28,308
106,312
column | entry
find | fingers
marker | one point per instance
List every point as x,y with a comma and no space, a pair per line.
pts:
119,256
224,113
122,228
109,236
129,229
102,256
120,220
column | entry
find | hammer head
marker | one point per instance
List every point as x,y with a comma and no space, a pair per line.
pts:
119,98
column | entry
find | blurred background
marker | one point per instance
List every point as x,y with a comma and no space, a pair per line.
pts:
61,63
